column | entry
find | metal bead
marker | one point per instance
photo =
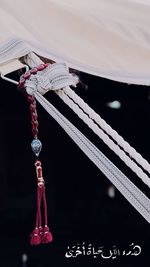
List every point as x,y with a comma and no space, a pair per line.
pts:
36,146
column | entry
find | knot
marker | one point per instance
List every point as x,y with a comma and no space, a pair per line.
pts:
54,77
38,163
40,180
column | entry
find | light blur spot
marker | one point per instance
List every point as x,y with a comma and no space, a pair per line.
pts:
111,191
114,104
24,257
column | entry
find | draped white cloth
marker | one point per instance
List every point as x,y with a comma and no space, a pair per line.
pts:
107,38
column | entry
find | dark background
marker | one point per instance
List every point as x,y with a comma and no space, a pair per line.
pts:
79,207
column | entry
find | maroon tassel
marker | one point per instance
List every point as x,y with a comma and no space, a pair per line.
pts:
41,235
47,236
35,237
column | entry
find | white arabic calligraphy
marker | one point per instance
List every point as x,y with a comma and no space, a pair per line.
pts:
90,250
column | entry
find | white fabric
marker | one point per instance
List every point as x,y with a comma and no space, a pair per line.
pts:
108,38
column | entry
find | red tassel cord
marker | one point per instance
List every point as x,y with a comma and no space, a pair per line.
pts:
41,233
44,233
47,236
36,234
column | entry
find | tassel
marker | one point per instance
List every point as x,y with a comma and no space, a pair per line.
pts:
47,236
35,237
40,235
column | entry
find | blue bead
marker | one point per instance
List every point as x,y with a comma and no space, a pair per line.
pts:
36,146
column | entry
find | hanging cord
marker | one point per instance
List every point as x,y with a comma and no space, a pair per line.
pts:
70,98
40,234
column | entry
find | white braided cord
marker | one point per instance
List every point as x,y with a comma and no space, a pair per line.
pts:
107,128
106,139
135,196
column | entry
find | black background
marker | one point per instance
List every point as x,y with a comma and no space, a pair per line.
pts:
79,207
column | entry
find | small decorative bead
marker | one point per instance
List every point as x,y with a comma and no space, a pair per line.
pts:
33,71
41,67
32,107
35,132
21,82
35,125
34,116
27,75
45,65
30,98
36,146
